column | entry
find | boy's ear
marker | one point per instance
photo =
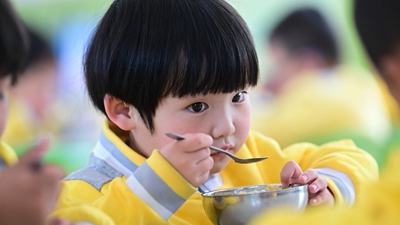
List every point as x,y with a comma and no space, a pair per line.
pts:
119,112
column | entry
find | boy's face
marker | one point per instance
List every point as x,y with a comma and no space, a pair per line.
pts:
4,85
225,117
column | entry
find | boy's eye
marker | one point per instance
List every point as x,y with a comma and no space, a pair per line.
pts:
239,97
198,107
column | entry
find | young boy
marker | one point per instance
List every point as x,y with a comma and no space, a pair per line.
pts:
28,190
186,67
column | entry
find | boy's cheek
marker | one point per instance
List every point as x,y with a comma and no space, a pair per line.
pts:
219,165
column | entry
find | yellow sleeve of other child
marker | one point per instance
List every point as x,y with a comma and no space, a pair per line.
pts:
7,154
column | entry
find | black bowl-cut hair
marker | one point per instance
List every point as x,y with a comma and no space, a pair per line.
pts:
13,42
307,28
146,50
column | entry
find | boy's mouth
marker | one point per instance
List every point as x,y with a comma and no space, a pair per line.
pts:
217,154
225,148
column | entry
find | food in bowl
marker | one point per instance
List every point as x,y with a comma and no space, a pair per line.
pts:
239,205
258,189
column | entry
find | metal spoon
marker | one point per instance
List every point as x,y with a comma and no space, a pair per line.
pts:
234,157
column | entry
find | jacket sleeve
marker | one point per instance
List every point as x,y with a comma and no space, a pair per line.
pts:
347,168
151,195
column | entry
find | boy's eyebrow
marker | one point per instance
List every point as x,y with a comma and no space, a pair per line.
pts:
187,98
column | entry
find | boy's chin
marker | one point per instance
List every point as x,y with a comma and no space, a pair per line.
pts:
219,165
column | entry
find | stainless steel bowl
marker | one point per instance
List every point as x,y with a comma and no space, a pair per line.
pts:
239,205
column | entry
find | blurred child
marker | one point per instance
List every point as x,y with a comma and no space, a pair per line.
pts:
36,108
32,99
316,97
377,23
28,189
186,67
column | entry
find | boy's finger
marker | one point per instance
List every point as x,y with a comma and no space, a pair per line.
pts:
197,142
317,185
309,176
290,171
324,197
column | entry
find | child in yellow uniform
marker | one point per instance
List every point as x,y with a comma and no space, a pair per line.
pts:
315,97
28,189
30,100
186,67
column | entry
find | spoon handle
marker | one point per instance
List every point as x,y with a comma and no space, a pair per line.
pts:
232,156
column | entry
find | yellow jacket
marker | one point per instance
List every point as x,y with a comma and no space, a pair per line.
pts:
121,187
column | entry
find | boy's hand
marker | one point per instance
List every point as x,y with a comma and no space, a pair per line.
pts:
28,190
318,192
190,157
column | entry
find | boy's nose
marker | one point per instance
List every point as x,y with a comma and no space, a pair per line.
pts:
223,125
